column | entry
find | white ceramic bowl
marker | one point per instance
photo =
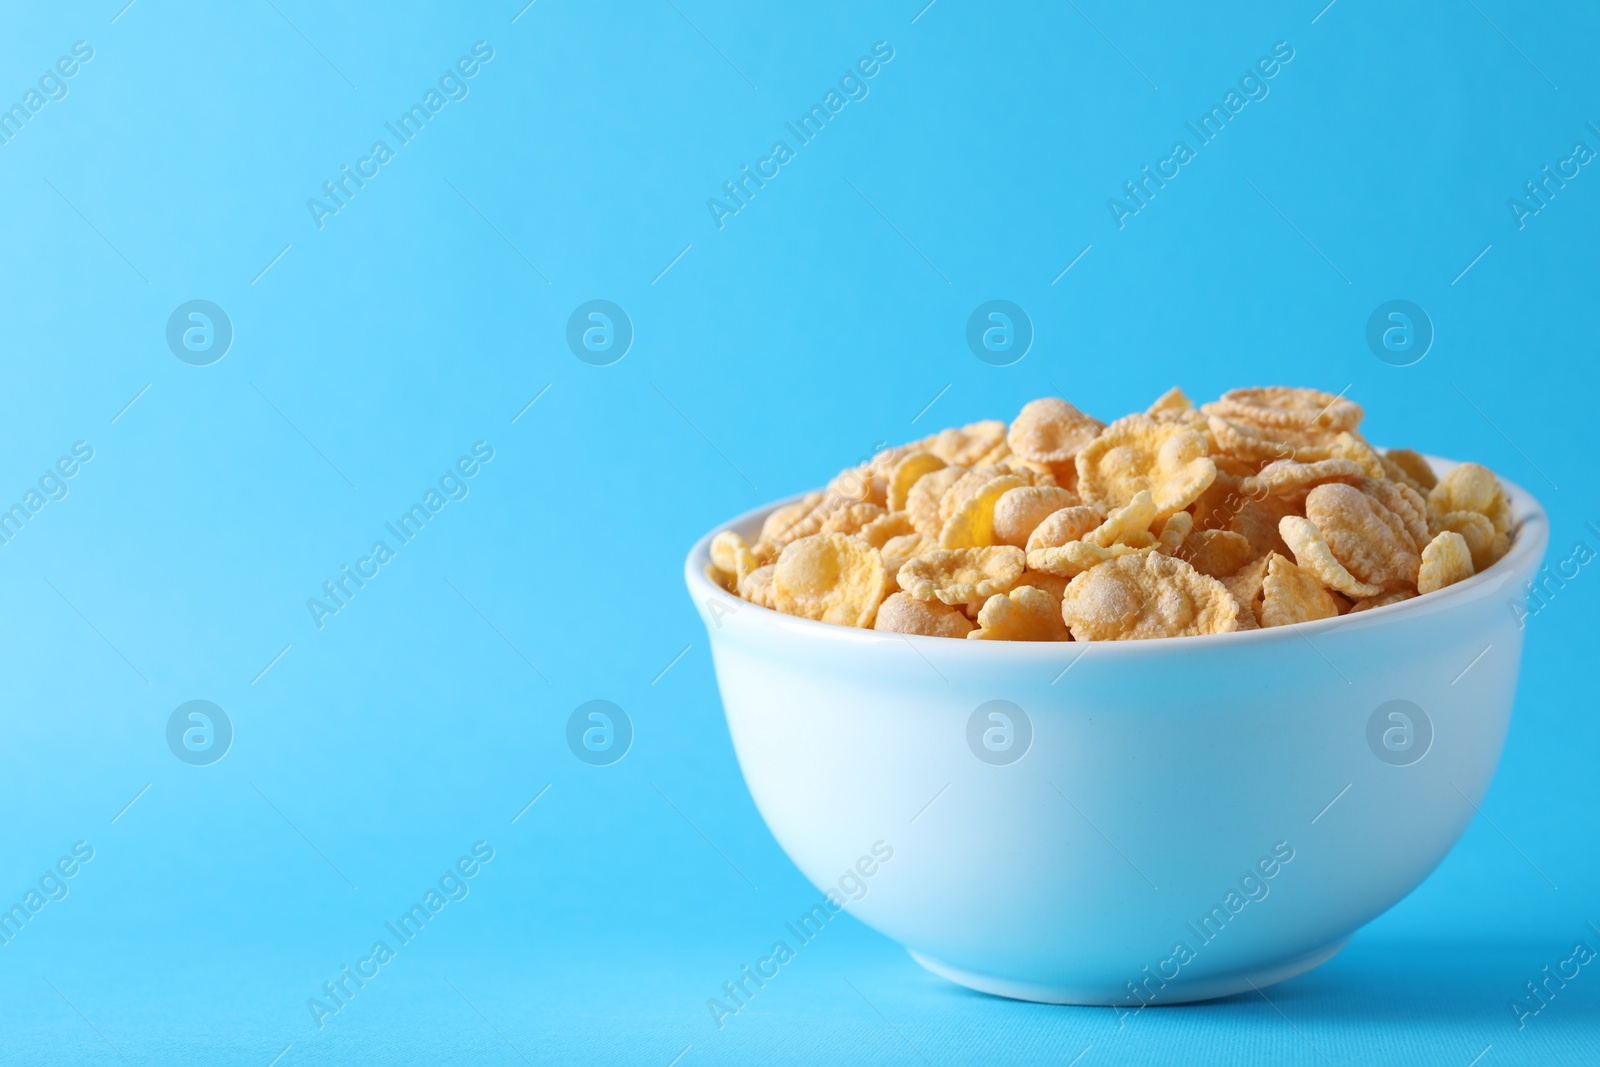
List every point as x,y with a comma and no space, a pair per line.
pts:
1096,866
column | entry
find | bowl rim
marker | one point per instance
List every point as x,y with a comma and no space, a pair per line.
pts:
1530,536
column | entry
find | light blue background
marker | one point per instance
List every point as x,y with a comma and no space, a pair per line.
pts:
820,320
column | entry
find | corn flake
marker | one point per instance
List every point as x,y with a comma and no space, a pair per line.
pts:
1312,553
905,474
1068,524
1246,587
1075,557
903,613
1485,543
1126,524
922,502
1281,407
1291,594
1138,453
1286,477
1366,537
1445,561
1050,431
968,445
962,575
1217,553
897,551
1019,511
852,518
972,524
1146,595
830,577
1024,614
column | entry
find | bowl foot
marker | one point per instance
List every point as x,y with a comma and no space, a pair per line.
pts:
1208,988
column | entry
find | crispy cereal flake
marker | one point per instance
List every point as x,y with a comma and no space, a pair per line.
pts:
830,577
1280,407
1146,595
903,613
1068,524
1050,432
962,575
905,474
1291,594
1020,511
972,523
1445,561
1075,557
1366,537
1138,453
1024,614
1312,553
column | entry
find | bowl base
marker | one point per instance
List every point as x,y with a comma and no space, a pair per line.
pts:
1224,985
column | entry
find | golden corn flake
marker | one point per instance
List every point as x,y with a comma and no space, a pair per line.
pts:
1258,521
1285,477
1367,538
806,524
1024,614
1313,554
1237,440
968,445
1146,595
972,523
903,613
1050,432
1127,524
1020,511
852,518
1245,585
962,575
905,474
1404,503
1064,526
1137,453
782,519
1280,407
922,502
1408,466
1171,400
1484,542
897,551
756,587
890,524
1174,531
731,555
830,577
1217,553
1266,507
1468,487
1291,594
1471,487
1075,557
971,484
1351,446
1054,584
1445,561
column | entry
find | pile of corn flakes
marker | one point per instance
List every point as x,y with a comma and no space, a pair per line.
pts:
1264,508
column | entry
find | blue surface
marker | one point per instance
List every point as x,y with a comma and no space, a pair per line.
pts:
829,313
